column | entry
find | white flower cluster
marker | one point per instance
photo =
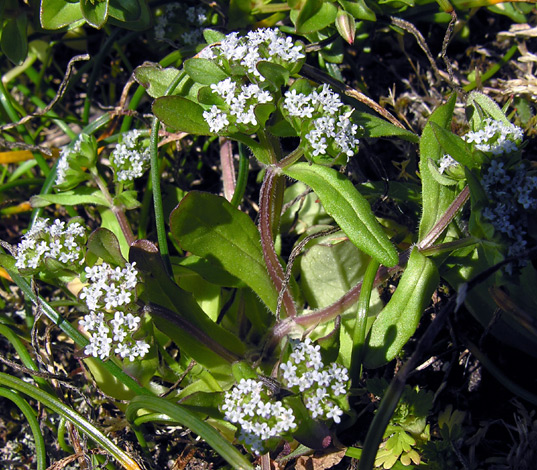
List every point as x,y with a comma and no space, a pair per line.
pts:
174,12
305,373
512,192
260,418
129,159
241,100
63,161
447,161
259,45
56,241
330,120
496,137
109,296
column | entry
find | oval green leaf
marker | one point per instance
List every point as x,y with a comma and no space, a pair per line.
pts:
14,41
398,321
349,209
181,114
210,227
204,71
96,13
55,14
155,79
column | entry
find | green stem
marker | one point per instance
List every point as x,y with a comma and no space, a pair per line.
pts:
397,385
360,324
293,157
157,197
155,182
62,429
242,176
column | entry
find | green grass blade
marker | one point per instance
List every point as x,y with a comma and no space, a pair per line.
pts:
28,412
196,425
77,420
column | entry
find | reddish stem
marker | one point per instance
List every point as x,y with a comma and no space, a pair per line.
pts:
266,217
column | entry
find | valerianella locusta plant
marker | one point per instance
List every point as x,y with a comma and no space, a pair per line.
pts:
322,387
511,191
496,137
260,418
75,159
112,319
246,52
324,121
241,100
130,158
57,241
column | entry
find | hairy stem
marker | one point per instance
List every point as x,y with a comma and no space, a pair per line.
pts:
267,199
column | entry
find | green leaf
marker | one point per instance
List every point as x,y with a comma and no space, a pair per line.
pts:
204,71
56,14
262,113
276,74
102,243
79,196
436,198
181,114
212,35
314,16
126,10
243,370
454,146
210,227
95,13
14,41
209,272
106,381
375,127
480,106
130,14
8,262
329,269
398,321
127,199
311,433
208,98
349,209
155,79
440,178
358,9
